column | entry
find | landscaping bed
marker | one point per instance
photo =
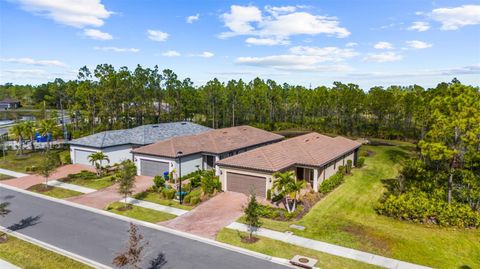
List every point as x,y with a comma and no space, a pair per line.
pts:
138,212
27,255
156,197
90,180
53,191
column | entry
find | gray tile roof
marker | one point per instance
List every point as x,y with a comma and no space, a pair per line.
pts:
141,135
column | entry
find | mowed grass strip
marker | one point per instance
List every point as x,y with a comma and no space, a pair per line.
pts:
52,191
155,198
284,250
26,255
140,213
96,183
347,217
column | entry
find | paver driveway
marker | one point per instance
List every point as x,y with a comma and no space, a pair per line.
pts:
61,172
211,216
100,199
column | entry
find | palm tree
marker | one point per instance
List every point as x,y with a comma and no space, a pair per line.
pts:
47,127
96,159
286,185
18,132
30,131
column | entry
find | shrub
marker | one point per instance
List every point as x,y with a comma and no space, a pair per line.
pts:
210,182
168,193
186,199
349,166
84,174
417,207
196,180
159,182
269,194
342,170
331,183
360,162
194,200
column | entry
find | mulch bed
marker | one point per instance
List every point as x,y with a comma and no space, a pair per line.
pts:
248,239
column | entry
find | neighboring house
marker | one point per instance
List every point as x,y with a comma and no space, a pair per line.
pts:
118,144
200,151
313,157
9,103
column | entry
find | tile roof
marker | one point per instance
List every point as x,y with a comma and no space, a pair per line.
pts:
141,135
312,149
214,141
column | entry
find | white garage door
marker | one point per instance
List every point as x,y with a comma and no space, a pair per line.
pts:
81,156
246,183
153,168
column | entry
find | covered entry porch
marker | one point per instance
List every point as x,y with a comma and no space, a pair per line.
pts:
309,174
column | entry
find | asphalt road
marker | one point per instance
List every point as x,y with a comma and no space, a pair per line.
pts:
100,237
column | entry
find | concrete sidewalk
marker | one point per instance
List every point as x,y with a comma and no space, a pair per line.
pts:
330,248
12,173
7,265
73,187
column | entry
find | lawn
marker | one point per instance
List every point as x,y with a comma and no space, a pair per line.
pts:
26,255
287,251
347,217
140,213
20,163
53,191
155,198
4,177
96,183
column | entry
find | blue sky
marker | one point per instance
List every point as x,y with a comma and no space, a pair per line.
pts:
299,42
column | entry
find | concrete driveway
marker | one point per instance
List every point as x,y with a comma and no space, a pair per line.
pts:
101,198
211,216
61,172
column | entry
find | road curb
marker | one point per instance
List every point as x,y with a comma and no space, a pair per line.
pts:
257,255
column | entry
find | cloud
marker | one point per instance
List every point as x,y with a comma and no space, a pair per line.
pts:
383,57
156,35
457,17
97,34
205,54
303,58
465,70
115,49
351,44
171,53
266,41
30,61
69,12
279,23
420,26
416,44
382,45
193,18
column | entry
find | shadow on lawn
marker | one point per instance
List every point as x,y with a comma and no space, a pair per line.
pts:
158,262
396,155
25,223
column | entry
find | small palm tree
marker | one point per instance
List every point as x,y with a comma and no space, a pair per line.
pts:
18,132
96,159
30,132
286,185
48,127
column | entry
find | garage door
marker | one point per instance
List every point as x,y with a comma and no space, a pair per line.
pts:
81,156
246,183
153,168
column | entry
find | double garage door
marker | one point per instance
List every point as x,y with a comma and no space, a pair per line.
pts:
81,156
246,184
153,168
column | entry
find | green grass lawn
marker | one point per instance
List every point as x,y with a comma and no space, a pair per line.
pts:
26,255
97,183
155,198
19,163
3,177
346,217
287,251
140,213
53,191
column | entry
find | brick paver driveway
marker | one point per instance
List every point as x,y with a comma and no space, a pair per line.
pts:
100,199
61,172
211,216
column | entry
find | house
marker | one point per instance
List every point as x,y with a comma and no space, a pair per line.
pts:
117,144
9,103
313,157
200,151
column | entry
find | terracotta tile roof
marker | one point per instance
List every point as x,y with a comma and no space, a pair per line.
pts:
312,149
214,141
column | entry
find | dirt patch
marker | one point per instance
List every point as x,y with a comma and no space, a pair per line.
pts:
368,238
248,239
40,188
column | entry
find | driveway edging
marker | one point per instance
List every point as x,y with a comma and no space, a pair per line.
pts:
257,255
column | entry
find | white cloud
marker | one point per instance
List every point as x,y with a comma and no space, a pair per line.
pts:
193,18
116,49
97,34
279,23
351,44
457,17
205,54
303,58
383,57
465,70
266,41
69,12
420,26
30,61
382,45
157,35
416,44
171,53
